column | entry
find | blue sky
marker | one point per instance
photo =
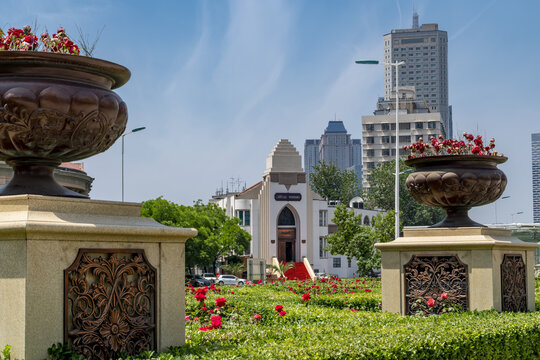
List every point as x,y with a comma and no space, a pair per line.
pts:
218,83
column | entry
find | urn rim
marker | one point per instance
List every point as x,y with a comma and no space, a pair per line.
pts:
117,74
442,159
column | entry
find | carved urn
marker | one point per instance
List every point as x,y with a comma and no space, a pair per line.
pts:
456,184
55,108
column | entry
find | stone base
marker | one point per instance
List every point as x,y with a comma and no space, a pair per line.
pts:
475,266
40,237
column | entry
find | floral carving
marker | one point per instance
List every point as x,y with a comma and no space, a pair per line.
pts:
61,122
110,297
513,283
428,277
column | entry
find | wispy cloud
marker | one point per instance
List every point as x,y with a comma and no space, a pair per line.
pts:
472,21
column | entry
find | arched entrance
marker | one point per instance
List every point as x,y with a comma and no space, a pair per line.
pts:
286,234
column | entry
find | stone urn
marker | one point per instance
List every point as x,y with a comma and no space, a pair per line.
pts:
55,108
456,184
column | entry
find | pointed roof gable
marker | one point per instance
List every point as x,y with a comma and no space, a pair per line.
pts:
284,158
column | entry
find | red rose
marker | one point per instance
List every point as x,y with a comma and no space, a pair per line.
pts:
278,308
306,297
221,302
200,297
205,328
431,302
282,313
444,295
215,321
257,317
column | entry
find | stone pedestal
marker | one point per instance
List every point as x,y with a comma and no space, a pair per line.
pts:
117,262
478,268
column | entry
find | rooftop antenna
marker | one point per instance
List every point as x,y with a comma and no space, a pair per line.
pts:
415,20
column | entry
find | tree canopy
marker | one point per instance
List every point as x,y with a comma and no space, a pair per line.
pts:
356,241
334,184
217,233
381,194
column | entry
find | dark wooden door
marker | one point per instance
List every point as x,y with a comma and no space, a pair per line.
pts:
286,244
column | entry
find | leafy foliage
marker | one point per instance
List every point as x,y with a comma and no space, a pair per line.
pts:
281,269
334,184
217,233
234,268
381,194
356,241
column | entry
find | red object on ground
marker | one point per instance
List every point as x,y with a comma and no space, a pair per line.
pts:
299,272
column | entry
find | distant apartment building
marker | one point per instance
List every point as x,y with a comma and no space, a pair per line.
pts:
334,147
416,120
535,142
425,52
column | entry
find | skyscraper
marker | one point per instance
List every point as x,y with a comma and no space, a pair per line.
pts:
334,147
425,52
535,142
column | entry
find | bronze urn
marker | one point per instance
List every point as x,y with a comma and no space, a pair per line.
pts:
55,108
456,183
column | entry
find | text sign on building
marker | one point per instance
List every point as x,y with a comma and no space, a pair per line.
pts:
287,197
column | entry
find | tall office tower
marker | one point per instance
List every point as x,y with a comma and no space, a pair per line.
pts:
334,147
416,120
425,52
535,141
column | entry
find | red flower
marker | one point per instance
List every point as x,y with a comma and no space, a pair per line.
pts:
200,297
201,291
221,302
431,302
306,297
444,295
278,308
215,321
257,317
367,290
282,313
205,328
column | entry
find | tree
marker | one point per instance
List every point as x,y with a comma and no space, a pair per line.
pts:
381,194
356,241
217,233
234,268
334,184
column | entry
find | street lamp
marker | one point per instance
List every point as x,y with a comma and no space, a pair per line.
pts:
396,65
123,135
495,203
519,212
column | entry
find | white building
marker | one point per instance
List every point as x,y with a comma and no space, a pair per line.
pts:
285,218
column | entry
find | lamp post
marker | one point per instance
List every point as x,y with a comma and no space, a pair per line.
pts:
396,65
495,203
123,135
517,213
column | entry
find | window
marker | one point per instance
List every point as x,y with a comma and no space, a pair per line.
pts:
244,217
404,139
385,139
323,218
386,152
323,254
370,152
349,262
286,217
404,126
370,165
369,140
432,125
393,139
369,126
336,262
419,125
385,126
366,220
418,137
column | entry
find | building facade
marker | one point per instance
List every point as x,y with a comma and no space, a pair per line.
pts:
535,144
286,219
334,147
425,52
416,120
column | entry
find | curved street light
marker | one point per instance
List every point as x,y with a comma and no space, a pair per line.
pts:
396,65
123,135
517,213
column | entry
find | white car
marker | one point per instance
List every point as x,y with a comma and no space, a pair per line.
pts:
230,280
210,277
